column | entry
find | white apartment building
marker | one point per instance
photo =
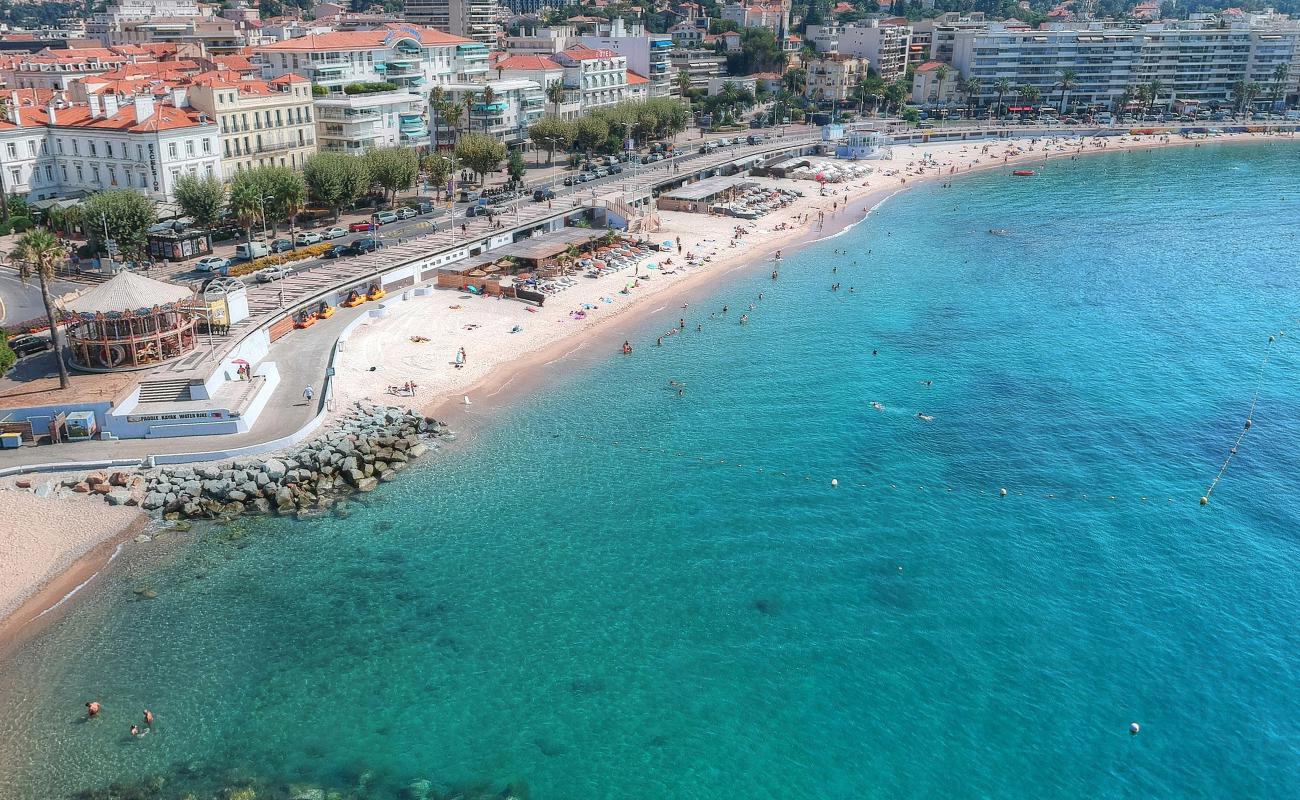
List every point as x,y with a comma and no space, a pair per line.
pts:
356,123
59,70
479,20
886,47
598,77
515,105
410,57
1191,62
646,54
771,14
129,11
544,72
833,79
143,145
533,41
263,123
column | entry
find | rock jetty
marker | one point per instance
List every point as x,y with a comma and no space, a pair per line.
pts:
369,445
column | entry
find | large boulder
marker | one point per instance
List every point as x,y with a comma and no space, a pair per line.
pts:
153,501
367,485
275,469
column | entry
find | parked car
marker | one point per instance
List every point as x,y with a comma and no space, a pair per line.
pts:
602,173
251,250
333,233
28,344
272,274
386,217
361,246
358,227
616,169
476,211
587,176
335,251
569,180
281,246
406,212
212,264
540,195
308,237
424,207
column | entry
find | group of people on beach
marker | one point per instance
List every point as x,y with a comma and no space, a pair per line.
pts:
93,709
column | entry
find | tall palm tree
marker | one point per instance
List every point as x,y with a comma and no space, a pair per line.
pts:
683,82
971,88
451,114
1122,102
1069,79
437,95
940,75
1153,90
555,95
1028,93
470,99
1280,76
246,205
38,253
1002,86
489,97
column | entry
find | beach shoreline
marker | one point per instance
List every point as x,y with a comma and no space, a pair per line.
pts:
502,381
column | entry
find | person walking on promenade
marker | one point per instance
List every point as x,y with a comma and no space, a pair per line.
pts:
307,395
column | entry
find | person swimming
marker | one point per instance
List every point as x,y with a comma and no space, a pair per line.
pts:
924,417
744,318
92,708
926,383
877,406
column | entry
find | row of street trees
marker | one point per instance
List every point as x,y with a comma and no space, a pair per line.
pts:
605,129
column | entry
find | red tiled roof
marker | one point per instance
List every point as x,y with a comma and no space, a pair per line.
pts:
527,63
364,40
583,53
930,66
635,79
236,63
165,118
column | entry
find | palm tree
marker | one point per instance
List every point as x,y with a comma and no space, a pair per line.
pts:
1153,90
1069,79
940,75
470,99
489,97
1002,86
555,95
246,204
1029,94
1280,76
38,253
683,82
451,114
437,95
1122,102
971,88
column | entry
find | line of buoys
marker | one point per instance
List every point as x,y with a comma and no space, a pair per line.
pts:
1250,417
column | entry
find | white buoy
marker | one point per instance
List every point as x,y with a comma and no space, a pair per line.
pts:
467,400
835,482
1002,492
1133,729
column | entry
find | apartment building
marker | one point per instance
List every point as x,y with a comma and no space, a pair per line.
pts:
514,105
144,145
699,66
262,123
932,39
479,20
356,123
412,58
535,41
646,54
598,77
1190,61
544,72
884,46
61,69
771,14
832,79
123,12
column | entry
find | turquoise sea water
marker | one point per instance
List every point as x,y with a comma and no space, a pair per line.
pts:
622,593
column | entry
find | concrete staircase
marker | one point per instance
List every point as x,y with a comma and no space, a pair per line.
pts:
164,391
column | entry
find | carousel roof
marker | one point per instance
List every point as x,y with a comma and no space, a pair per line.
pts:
126,291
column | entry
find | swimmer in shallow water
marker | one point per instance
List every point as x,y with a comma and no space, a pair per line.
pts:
926,383
877,406
924,417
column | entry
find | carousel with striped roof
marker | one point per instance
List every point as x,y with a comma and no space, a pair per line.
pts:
130,322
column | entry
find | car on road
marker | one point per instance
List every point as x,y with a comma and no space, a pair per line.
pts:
385,217
424,207
358,227
308,237
569,180
653,157
361,246
272,274
212,264
587,176
615,169
333,233
477,211
281,246
406,212
28,345
540,195
251,250
335,251
602,173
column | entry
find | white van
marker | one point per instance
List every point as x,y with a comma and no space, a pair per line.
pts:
386,217
251,250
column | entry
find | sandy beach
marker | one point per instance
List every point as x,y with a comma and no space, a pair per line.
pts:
509,347
49,546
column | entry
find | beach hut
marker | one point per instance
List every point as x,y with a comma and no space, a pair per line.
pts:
129,322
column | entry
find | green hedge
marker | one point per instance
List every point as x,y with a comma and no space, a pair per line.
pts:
369,87
7,356
319,91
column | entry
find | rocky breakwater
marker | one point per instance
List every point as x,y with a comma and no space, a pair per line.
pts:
370,445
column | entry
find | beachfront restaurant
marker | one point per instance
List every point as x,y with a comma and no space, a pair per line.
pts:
129,322
698,196
539,256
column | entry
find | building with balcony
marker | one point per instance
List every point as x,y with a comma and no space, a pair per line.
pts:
143,145
832,79
60,70
1191,61
262,123
771,14
884,46
544,72
646,54
514,105
410,57
479,20
356,123
596,77
699,66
